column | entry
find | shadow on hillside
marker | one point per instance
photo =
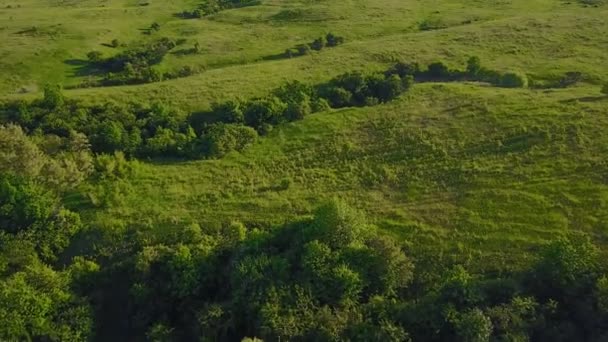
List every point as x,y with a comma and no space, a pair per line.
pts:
274,57
185,52
83,67
585,99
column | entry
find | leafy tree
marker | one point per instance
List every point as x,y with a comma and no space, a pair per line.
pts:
225,138
53,96
473,66
338,225
339,97
514,80
95,56
261,111
333,40
318,44
473,326
438,71
37,305
229,112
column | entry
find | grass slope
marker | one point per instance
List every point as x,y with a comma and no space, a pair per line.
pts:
463,171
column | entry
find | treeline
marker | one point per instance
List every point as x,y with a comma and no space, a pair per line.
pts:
329,40
209,7
160,131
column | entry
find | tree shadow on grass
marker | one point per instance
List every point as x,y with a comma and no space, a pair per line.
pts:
83,67
276,57
586,99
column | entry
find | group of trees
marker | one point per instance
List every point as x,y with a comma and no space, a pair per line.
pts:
133,66
209,7
331,277
440,72
158,130
329,40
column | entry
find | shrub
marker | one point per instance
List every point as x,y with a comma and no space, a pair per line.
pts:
318,44
320,104
473,66
339,97
53,96
404,69
385,89
333,40
303,49
94,56
605,89
438,71
513,80
261,111
229,111
115,43
225,138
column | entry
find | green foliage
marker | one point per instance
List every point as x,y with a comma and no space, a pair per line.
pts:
225,138
53,96
94,56
605,89
513,80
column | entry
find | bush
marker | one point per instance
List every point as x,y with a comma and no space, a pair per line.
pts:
605,89
333,40
473,66
514,80
94,56
318,44
229,112
438,71
261,111
303,49
339,97
225,138
404,69
320,104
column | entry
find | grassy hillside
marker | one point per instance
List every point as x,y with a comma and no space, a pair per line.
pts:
470,168
465,169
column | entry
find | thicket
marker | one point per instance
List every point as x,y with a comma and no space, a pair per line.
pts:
209,7
160,131
329,40
133,66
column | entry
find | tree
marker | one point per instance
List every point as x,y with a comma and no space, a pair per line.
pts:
264,111
115,43
53,96
514,80
339,97
333,40
473,326
229,111
318,44
438,71
338,225
94,56
473,66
